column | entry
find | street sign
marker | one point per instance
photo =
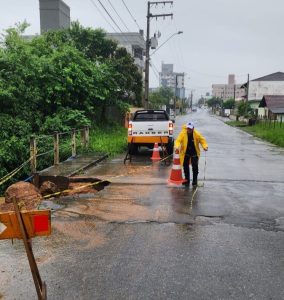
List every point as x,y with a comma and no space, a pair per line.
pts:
36,222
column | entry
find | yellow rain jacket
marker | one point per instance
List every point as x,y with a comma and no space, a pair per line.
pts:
181,142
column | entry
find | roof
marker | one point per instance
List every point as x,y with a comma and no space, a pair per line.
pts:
275,103
128,38
278,76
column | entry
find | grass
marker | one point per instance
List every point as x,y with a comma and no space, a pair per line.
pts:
110,141
268,131
236,123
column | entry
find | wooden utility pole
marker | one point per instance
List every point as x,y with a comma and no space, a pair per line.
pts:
148,44
247,97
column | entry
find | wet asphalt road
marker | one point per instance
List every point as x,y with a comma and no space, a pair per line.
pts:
142,239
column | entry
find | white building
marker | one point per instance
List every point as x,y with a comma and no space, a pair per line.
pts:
134,43
272,84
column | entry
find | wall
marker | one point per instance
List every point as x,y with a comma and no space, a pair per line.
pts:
257,89
54,14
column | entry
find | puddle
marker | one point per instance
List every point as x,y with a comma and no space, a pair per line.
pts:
48,204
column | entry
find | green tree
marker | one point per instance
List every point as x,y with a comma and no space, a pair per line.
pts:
244,109
95,45
160,97
214,102
229,104
57,81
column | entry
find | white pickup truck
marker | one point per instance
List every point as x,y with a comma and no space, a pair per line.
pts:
148,127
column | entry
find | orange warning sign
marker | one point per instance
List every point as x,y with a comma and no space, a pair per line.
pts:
37,223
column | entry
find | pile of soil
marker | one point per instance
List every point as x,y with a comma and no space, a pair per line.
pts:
26,194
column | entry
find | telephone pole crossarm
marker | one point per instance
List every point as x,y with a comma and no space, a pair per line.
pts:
162,15
161,2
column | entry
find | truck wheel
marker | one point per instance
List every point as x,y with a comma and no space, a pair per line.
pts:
132,148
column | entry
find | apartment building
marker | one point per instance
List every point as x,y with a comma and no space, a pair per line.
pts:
173,80
54,14
228,90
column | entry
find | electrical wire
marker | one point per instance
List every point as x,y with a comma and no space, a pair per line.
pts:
118,15
109,15
154,72
131,15
123,37
102,15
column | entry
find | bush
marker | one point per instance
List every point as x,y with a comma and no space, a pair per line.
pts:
65,120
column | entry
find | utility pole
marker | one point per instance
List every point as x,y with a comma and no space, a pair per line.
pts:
148,42
191,96
247,97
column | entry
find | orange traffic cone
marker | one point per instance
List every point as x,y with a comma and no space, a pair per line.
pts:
156,153
176,175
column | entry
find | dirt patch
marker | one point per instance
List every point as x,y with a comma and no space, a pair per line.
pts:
82,231
116,210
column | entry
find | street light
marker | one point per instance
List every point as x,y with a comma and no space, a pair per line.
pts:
176,33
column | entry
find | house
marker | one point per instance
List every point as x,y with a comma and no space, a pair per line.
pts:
273,106
272,84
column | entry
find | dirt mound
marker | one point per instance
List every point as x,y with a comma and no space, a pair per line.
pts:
48,188
26,194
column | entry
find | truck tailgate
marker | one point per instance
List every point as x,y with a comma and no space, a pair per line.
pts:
150,128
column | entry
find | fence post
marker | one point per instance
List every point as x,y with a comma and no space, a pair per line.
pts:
33,152
56,148
73,142
87,136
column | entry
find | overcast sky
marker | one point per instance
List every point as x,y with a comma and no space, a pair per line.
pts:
220,36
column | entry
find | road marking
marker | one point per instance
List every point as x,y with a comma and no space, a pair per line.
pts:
2,227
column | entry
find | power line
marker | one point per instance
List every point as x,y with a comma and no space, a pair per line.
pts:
154,67
131,15
109,15
102,14
154,72
118,15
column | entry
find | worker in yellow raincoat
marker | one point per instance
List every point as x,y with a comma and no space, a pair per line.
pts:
187,144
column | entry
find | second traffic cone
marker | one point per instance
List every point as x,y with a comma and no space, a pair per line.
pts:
176,175
156,153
